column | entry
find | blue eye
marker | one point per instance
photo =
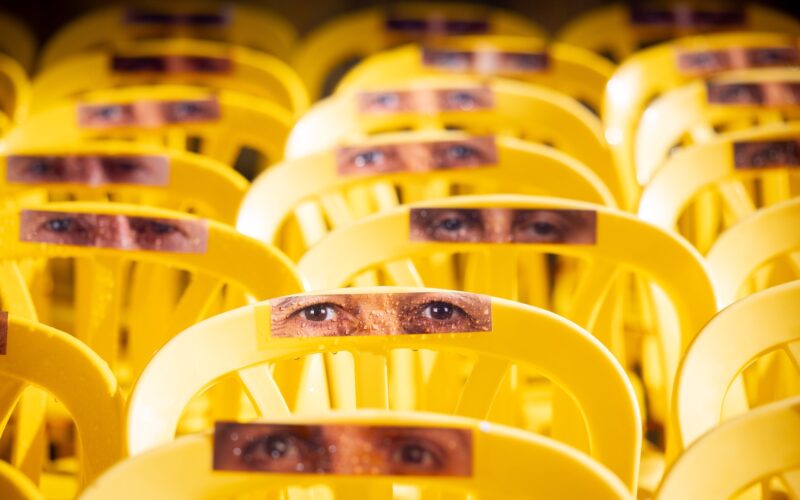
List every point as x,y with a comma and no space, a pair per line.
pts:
460,152
60,225
387,100
368,158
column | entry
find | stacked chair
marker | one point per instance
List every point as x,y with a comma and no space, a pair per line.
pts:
423,251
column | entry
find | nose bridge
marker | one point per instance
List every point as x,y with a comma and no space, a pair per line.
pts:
497,224
90,169
113,231
380,314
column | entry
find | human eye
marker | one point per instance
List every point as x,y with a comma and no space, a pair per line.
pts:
773,154
159,234
43,170
184,111
441,313
281,451
538,227
120,169
454,225
738,93
705,60
314,317
65,229
384,101
461,100
449,59
109,115
772,57
457,154
415,456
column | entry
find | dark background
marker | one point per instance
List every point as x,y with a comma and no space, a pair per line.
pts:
45,16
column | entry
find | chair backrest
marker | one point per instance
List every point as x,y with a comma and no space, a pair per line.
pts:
465,225
732,160
756,325
189,62
699,111
122,171
216,123
376,321
18,41
767,443
328,51
66,368
110,240
403,162
15,485
577,72
651,72
741,250
619,30
501,106
14,92
504,462
238,24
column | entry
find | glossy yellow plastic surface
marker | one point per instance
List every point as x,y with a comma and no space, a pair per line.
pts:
741,250
579,73
683,116
247,25
651,72
758,445
14,92
157,310
77,377
244,122
280,193
691,171
758,324
196,184
252,72
240,341
14,485
518,109
507,464
18,41
332,47
610,30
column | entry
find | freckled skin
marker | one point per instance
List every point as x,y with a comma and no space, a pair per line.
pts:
379,314
343,449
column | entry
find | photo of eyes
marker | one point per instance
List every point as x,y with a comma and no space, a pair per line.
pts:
475,152
766,94
147,113
89,170
704,62
503,225
113,231
343,449
170,64
485,61
3,332
425,101
380,314
765,154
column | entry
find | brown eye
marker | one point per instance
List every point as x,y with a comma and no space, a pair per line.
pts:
439,310
161,228
544,228
319,312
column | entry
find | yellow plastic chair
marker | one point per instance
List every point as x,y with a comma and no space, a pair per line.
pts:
618,31
14,485
237,24
536,467
14,92
742,250
219,124
725,168
503,269
576,72
189,62
121,171
696,113
468,103
66,368
750,328
110,240
330,50
646,75
767,443
18,41
311,195
505,333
